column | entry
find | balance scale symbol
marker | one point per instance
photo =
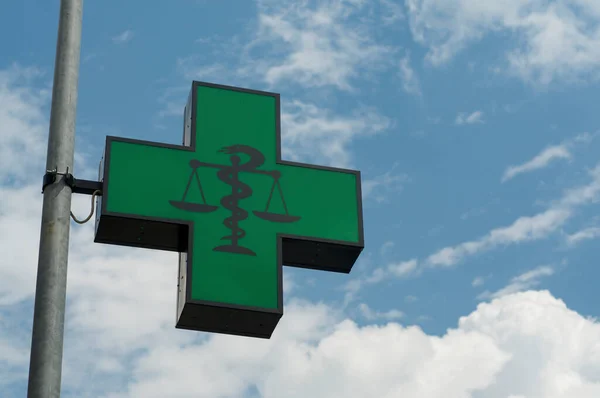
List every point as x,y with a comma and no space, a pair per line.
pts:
229,174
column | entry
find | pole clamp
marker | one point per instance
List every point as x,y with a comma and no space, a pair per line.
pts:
85,187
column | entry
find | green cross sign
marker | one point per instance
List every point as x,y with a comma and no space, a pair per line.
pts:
233,209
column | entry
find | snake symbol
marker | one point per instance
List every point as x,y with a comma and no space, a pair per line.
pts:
230,202
239,190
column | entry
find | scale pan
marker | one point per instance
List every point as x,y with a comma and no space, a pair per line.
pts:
274,217
195,207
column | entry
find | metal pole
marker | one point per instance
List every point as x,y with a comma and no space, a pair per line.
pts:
45,367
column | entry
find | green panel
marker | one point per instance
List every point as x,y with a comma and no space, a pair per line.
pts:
144,178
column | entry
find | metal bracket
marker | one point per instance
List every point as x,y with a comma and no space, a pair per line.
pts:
85,187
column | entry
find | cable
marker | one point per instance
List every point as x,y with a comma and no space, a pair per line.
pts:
91,213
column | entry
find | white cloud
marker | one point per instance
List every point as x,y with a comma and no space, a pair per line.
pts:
541,160
584,234
20,212
87,58
521,282
289,284
549,155
192,69
527,228
583,194
22,109
376,276
585,138
403,269
123,37
410,80
469,118
314,46
23,130
386,247
473,212
550,39
352,287
14,354
324,44
380,186
372,315
523,229
172,102
392,11
526,344
313,133
478,281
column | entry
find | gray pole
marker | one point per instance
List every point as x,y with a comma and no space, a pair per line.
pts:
45,367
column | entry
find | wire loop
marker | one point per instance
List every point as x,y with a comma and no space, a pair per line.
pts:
91,213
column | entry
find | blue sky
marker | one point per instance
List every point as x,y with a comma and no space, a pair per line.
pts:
474,125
